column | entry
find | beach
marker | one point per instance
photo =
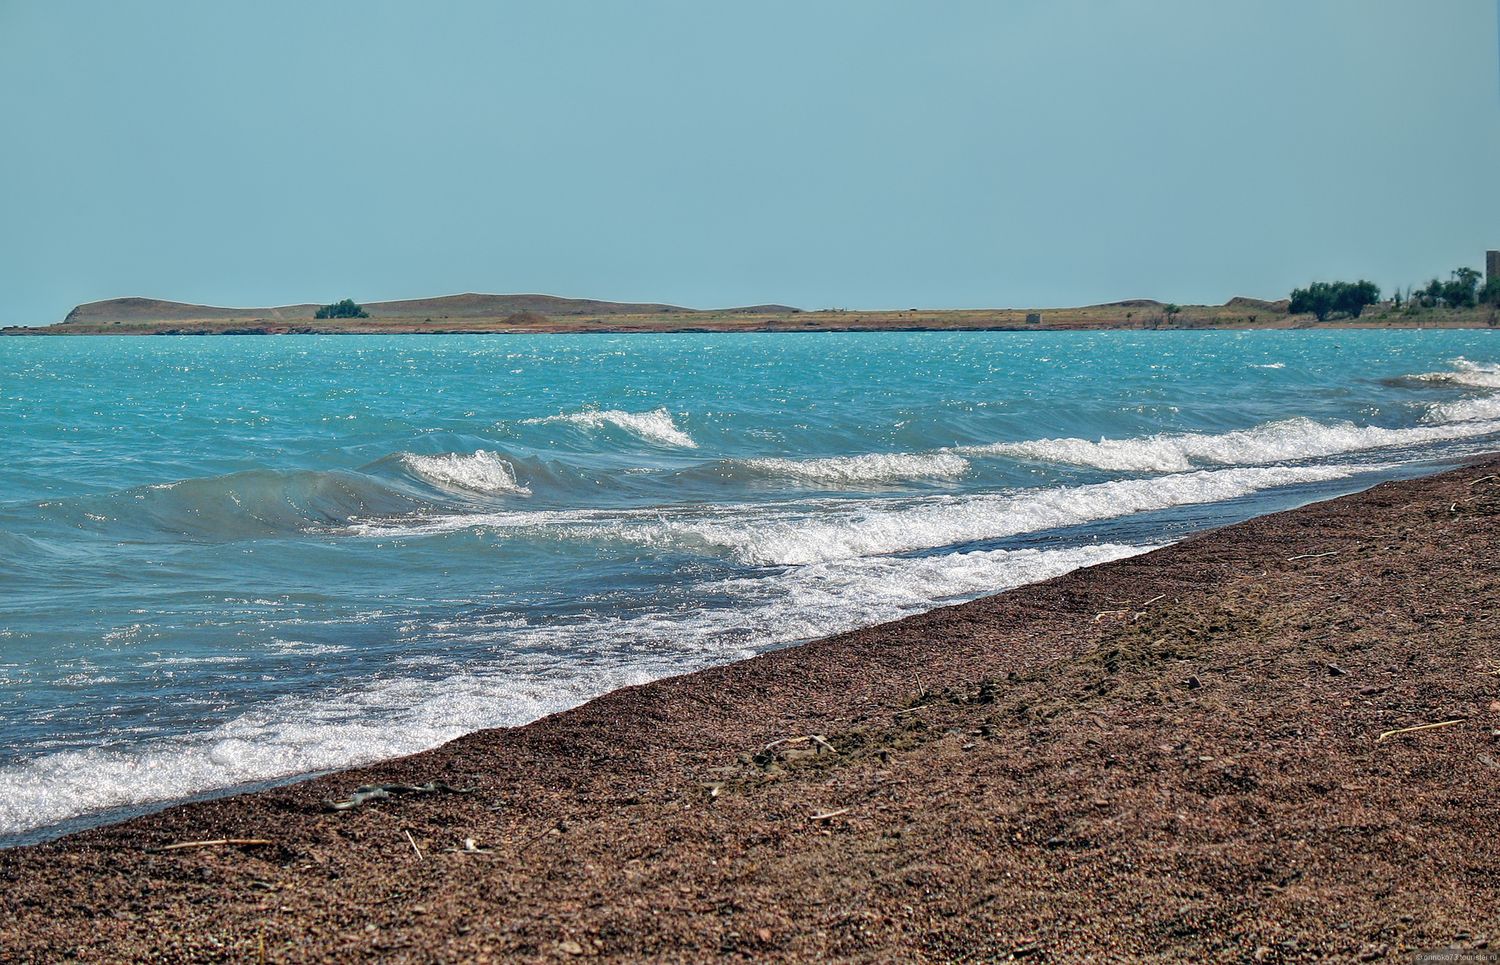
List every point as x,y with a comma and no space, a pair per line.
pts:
1275,741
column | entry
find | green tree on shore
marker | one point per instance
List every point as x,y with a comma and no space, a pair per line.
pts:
343,309
1461,290
1323,298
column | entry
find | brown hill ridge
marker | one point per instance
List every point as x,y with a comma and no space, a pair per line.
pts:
468,305
532,313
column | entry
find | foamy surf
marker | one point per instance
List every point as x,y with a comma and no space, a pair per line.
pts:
1287,440
1464,372
390,718
655,426
801,533
1477,410
877,527
869,468
481,471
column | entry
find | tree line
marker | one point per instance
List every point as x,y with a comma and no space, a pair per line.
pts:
342,309
1350,299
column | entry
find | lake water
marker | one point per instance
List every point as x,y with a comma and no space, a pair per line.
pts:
230,560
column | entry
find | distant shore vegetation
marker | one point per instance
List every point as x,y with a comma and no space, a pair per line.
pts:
1324,298
342,309
1462,289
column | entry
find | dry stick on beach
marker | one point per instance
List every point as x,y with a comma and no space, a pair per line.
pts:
1138,613
413,844
1312,556
1408,730
213,843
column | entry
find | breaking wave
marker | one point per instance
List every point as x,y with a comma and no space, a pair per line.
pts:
881,527
1465,410
656,426
871,468
244,505
1464,372
1286,440
794,534
477,472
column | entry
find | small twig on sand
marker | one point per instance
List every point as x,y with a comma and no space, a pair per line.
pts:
1312,556
1408,730
829,815
1137,614
1475,482
818,739
413,844
216,842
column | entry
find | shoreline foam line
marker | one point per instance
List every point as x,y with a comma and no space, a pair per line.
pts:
389,718
814,531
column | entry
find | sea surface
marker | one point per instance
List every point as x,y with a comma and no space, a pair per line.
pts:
228,561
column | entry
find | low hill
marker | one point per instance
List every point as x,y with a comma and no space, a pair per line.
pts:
157,310
469,305
524,313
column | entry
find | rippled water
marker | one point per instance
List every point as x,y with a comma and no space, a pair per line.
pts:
231,560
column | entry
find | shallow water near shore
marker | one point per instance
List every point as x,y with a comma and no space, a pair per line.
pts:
226,561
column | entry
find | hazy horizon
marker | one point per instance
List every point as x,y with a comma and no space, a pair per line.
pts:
869,156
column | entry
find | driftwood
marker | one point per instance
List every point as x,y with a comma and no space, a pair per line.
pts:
1312,556
1408,730
1137,614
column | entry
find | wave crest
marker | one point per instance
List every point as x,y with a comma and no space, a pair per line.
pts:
481,471
655,426
1282,441
1479,374
870,468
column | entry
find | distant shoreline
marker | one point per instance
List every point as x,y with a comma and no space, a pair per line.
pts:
473,314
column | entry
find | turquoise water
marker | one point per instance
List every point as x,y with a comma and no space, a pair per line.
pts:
231,560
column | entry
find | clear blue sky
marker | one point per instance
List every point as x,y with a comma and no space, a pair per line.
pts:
818,153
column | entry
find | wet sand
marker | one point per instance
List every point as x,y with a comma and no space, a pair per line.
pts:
1184,755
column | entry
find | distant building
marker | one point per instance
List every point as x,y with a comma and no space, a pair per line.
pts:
1491,265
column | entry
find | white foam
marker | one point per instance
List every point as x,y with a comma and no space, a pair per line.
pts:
1283,441
481,471
552,668
850,529
871,468
1485,407
655,426
815,531
1464,372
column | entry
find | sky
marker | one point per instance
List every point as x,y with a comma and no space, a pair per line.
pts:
818,153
